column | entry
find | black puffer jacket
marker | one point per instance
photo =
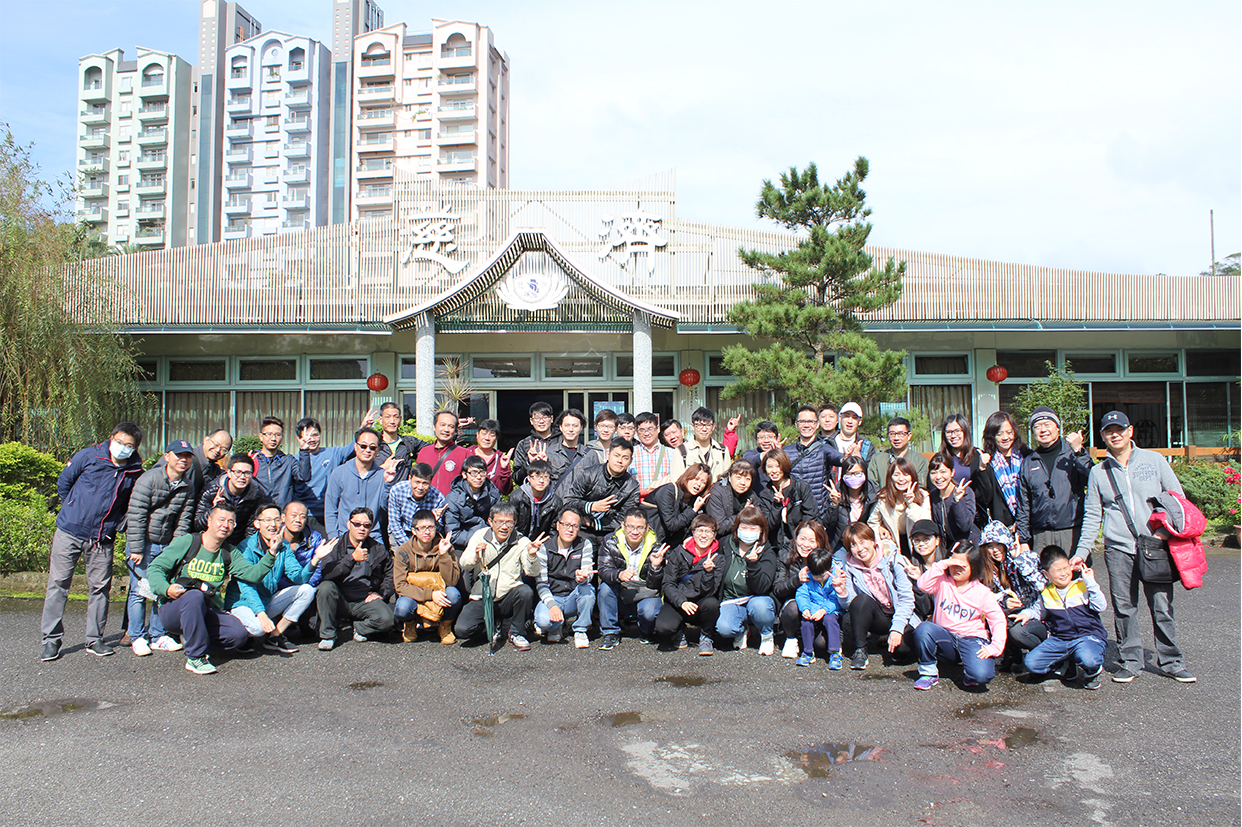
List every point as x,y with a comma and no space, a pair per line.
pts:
787,580
725,504
159,510
551,503
785,515
594,483
673,513
685,580
245,504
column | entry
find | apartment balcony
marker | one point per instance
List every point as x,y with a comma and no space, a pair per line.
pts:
94,92
460,58
237,231
377,119
153,89
298,74
243,129
150,211
149,236
234,206
86,165
376,94
298,125
376,69
298,99
238,155
94,115
122,209
122,187
296,175
451,84
373,196
448,138
383,169
459,163
153,113
151,163
237,80
94,189
238,104
374,143
150,187
96,216
98,140
295,224
238,181
296,202
456,111
297,149
153,137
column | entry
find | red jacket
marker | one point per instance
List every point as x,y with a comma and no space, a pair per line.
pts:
1184,524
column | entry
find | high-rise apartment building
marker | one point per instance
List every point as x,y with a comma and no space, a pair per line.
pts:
350,18
221,24
276,157
434,104
132,147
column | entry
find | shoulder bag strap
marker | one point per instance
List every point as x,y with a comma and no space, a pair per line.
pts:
1125,510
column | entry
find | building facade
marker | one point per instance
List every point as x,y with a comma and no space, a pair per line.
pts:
350,18
434,105
599,299
221,24
131,154
276,160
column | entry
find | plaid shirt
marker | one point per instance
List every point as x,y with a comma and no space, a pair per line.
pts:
648,466
402,507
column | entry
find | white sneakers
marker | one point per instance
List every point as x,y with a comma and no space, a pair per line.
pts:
141,647
581,641
790,649
739,642
766,646
167,644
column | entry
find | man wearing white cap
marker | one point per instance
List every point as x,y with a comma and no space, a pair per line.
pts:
1051,484
1119,494
848,420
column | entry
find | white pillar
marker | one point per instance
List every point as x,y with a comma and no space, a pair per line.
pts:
425,373
642,362
987,395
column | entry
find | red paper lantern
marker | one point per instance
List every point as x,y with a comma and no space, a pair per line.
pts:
689,377
377,382
997,374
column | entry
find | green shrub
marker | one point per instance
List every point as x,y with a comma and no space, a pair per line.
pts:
26,528
24,470
1208,486
247,445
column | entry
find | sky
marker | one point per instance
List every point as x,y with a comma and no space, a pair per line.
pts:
1090,136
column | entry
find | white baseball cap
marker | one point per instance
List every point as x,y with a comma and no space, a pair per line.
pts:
851,408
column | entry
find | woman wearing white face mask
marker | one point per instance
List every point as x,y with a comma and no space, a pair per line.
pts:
849,501
746,587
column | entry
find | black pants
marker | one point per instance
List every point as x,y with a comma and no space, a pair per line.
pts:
512,614
867,617
672,619
1023,637
369,618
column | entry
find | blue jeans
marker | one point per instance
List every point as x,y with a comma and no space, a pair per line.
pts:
136,606
934,642
612,604
759,611
406,608
576,606
1087,650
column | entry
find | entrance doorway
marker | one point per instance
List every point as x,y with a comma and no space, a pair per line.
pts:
513,412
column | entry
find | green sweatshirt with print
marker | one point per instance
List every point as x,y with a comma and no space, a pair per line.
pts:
206,566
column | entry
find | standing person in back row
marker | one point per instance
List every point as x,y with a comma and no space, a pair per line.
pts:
530,447
445,457
899,432
1120,487
811,458
94,493
1051,484
704,448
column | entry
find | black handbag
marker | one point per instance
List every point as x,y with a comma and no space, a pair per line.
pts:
1151,554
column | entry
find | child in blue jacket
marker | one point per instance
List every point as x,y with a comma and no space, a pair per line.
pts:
818,601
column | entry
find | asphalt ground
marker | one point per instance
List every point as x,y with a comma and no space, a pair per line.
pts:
389,733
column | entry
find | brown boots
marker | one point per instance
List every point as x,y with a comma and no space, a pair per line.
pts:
409,633
446,632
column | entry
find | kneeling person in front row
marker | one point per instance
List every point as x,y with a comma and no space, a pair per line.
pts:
505,555
357,582
426,576
190,573
1070,609
566,564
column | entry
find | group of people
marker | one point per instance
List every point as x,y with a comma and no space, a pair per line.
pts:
978,556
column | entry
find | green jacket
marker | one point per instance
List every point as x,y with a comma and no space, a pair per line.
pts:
206,566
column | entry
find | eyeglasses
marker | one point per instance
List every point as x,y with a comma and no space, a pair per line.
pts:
704,530
216,445
475,472
502,523
358,446
893,433
241,472
540,418
922,540
357,524
953,431
564,524
422,529
808,421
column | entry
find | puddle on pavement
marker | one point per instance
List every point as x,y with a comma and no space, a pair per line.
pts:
621,719
361,685
683,680
47,709
876,676
969,710
1021,736
818,760
484,726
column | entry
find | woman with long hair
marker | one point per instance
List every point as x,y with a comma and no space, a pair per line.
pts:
792,573
849,501
996,493
737,488
676,504
952,501
955,443
878,594
901,503
785,502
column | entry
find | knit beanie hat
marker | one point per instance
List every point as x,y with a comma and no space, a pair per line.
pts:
1043,412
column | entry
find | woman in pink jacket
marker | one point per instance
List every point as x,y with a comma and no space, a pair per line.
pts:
967,624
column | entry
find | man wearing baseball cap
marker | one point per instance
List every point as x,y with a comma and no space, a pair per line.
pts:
161,507
849,419
1127,478
1051,483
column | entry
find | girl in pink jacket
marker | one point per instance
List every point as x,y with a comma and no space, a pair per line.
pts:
967,625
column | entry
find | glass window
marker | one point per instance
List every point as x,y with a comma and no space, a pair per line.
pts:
500,367
408,369
1153,362
662,365
338,369
1207,413
715,366
1026,364
574,367
147,370
268,370
1211,363
1092,362
950,365
180,371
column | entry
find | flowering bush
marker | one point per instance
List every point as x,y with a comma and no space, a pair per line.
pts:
1212,486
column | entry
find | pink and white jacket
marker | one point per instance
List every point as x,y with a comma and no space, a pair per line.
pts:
969,611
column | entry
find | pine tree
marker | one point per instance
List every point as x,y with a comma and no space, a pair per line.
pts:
810,302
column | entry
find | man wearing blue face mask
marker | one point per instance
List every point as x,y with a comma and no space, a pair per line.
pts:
94,493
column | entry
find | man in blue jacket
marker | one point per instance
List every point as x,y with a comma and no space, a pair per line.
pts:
94,493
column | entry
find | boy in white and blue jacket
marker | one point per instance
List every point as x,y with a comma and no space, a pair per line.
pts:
1070,609
819,601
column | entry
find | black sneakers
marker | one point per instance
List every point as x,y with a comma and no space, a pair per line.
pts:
51,651
99,650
